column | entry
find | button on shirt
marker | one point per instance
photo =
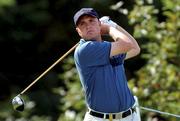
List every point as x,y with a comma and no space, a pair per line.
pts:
103,78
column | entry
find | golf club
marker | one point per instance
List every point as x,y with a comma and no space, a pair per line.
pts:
17,102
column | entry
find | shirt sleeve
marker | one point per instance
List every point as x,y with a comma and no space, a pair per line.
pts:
118,59
95,53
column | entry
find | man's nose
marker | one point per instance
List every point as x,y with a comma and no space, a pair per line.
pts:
88,25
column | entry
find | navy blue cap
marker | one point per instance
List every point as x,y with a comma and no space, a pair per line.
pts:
85,11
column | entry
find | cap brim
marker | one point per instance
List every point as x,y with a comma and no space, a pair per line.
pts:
88,14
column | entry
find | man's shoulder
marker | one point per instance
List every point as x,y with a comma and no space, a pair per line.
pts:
89,46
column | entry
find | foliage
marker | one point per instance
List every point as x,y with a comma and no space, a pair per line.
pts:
74,104
156,25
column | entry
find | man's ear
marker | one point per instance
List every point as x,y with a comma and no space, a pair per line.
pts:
79,31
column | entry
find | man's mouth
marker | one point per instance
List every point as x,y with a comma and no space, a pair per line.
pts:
90,31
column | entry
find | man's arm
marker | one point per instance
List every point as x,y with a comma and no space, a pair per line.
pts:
124,42
135,50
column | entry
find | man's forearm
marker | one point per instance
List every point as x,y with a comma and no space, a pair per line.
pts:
106,20
135,48
126,33
116,34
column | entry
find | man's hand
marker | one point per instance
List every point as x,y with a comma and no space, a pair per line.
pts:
105,29
106,23
106,20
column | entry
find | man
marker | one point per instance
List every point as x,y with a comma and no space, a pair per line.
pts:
100,68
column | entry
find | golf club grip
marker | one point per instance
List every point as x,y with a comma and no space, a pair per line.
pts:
47,70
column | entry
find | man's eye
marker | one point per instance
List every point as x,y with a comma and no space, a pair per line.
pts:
92,20
81,24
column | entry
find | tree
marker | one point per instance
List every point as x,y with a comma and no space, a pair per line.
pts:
156,25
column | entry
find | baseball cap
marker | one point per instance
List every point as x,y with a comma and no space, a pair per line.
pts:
84,11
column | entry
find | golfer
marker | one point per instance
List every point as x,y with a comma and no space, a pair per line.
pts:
100,67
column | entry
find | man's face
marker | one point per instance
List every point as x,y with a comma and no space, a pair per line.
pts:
88,28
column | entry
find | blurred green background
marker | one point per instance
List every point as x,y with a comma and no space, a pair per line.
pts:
35,33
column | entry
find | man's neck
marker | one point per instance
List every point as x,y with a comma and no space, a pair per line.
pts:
98,38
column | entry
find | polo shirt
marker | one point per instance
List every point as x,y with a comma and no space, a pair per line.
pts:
103,78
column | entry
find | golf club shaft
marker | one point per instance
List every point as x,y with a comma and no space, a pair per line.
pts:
47,70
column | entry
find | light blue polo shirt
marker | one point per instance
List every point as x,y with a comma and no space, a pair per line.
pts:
103,78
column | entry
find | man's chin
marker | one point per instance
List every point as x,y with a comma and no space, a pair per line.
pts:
89,38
